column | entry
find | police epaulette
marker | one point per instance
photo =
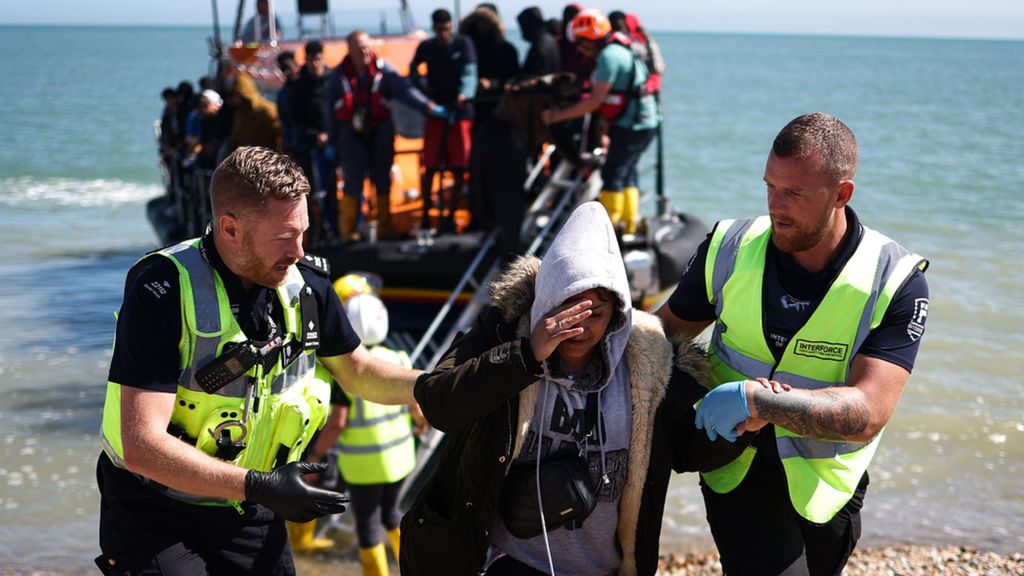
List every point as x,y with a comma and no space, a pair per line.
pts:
318,263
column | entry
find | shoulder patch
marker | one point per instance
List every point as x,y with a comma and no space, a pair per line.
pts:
154,274
915,329
317,263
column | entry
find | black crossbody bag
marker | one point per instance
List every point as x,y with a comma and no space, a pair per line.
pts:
564,484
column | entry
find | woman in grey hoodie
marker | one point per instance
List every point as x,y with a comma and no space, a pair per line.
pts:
561,363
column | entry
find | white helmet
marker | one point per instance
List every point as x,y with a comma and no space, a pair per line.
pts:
369,318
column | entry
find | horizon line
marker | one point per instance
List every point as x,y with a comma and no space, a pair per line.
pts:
881,35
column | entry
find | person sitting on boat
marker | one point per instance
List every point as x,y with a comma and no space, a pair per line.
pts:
561,369
254,119
257,29
618,94
358,93
171,131
205,131
451,81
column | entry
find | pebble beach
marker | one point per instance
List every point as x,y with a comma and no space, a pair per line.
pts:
895,560
903,560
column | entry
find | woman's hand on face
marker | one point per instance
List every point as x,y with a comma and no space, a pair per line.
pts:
560,325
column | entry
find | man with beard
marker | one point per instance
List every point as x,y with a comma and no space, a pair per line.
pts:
359,93
817,323
220,378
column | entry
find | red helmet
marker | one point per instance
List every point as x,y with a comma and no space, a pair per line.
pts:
589,25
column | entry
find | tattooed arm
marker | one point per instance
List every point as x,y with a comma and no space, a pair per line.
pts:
854,413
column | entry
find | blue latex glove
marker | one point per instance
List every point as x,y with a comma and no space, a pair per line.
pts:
438,111
722,410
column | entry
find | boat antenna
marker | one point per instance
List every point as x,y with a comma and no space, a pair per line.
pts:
659,187
238,21
272,22
407,22
217,46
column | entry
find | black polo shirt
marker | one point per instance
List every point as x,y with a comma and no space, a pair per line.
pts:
792,293
149,327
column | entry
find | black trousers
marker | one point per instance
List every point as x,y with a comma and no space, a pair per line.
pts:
375,506
146,533
757,531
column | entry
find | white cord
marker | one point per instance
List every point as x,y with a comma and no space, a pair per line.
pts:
540,501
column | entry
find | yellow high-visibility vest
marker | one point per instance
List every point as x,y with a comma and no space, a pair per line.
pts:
376,446
264,418
822,475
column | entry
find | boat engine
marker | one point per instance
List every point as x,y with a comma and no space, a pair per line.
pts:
642,272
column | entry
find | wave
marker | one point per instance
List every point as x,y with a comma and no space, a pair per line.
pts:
28,192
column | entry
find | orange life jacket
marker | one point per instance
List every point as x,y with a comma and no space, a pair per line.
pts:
355,95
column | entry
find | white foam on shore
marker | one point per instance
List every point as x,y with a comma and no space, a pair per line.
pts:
30,193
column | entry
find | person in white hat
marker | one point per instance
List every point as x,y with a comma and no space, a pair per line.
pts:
375,442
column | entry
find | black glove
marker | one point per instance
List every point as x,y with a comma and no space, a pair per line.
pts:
283,491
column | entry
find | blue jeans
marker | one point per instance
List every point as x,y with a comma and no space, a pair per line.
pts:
625,147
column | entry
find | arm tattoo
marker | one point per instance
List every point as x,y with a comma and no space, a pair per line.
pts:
820,414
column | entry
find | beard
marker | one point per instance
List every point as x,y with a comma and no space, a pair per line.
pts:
253,268
798,238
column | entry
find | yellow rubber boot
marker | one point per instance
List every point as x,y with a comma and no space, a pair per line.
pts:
631,208
395,536
374,561
614,202
303,537
349,213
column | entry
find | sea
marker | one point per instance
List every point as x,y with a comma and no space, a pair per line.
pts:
940,125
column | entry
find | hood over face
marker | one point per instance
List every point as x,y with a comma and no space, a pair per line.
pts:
585,255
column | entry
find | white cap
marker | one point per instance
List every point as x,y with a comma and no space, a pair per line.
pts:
212,97
369,318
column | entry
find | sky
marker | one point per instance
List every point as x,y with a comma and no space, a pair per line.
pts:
992,19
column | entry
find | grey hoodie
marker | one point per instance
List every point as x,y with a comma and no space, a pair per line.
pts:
585,255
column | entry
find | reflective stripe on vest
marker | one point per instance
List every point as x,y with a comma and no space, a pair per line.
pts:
821,474
271,414
376,446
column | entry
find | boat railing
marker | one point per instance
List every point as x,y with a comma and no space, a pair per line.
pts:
563,189
561,195
538,167
467,276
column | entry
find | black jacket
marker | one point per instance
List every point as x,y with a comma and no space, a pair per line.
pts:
308,107
481,395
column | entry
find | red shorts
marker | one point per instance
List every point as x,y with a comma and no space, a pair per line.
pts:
457,143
